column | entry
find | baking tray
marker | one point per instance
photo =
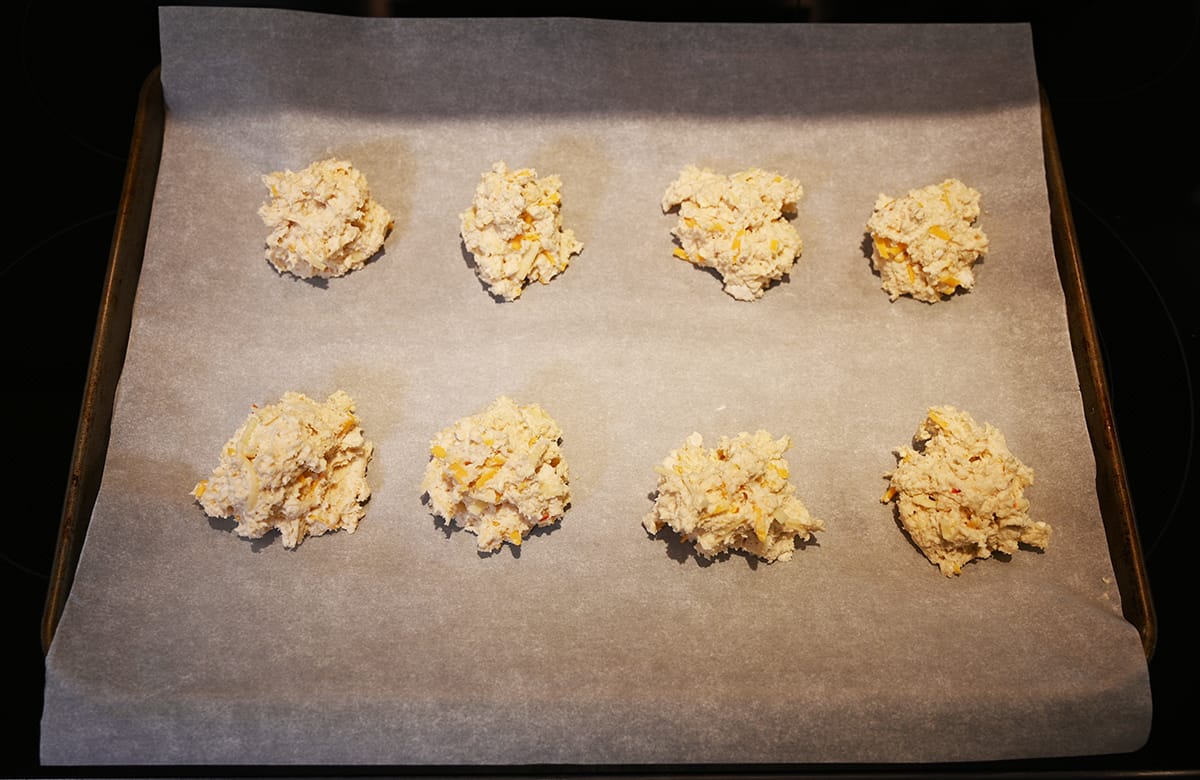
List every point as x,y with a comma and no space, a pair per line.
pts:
120,285
115,318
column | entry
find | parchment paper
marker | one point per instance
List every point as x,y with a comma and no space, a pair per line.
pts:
594,642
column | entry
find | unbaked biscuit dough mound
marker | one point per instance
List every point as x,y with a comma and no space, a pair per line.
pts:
324,222
499,474
925,244
735,496
297,466
514,230
736,226
961,492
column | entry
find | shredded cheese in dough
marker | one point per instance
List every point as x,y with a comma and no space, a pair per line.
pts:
961,492
736,226
324,222
735,496
499,473
514,230
296,466
926,244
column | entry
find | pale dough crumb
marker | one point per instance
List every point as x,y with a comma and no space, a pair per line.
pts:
297,466
514,230
735,496
736,226
499,473
961,492
925,244
324,222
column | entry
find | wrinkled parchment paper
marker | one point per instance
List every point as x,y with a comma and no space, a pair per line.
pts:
594,642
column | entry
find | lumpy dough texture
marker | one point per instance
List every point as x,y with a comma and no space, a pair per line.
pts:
324,222
297,466
926,244
735,496
961,492
736,225
514,230
499,474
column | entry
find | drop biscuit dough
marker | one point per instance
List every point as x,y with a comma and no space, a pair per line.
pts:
324,222
961,493
736,225
296,466
925,244
514,230
499,473
735,496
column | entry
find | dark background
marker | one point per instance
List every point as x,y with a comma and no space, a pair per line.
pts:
1122,81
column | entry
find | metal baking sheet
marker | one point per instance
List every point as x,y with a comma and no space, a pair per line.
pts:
172,641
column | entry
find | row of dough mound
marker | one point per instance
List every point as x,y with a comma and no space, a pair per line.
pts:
324,223
299,467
